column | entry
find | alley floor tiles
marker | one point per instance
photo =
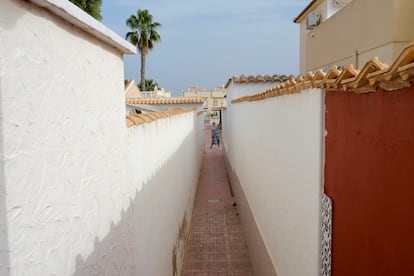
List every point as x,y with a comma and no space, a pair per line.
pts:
216,244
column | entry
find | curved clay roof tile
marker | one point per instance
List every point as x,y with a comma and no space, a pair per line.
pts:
251,78
309,76
406,72
405,58
260,78
145,117
152,115
268,77
138,119
236,78
135,119
243,78
279,78
129,123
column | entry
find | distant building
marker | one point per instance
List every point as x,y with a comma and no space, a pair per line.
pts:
343,32
157,92
131,88
157,100
214,100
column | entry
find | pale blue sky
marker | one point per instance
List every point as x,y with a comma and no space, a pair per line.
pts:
204,43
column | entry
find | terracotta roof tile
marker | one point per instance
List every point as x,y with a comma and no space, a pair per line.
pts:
172,100
348,72
135,119
268,78
317,78
244,79
251,79
374,74
150,116
139,119
129,122
259,78
405,57
235,78
360,83
407,71
331,77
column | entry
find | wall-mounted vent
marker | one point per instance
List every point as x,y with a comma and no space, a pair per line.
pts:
312,20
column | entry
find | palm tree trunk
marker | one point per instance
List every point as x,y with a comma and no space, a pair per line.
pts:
143,58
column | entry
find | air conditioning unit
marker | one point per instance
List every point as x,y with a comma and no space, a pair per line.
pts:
312,20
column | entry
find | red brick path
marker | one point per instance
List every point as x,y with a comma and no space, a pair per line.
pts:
216,245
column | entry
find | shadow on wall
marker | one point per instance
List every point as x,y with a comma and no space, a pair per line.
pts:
4,246
143,241
113,254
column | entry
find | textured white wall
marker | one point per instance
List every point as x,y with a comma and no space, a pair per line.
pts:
69,194
275,148
238,90
164,165
63,128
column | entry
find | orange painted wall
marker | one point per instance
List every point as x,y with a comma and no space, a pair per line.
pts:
369,175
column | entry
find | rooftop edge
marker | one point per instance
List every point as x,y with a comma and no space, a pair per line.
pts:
74,15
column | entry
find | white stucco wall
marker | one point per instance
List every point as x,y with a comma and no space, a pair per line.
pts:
63,128
274,147
70,197
165,159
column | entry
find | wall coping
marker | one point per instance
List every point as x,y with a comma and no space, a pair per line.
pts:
243,79
165,100
74,15
374,74
149,117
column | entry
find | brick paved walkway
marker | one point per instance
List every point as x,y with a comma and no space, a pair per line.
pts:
216,245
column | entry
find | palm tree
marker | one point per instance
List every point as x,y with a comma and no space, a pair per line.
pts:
144,36
150,84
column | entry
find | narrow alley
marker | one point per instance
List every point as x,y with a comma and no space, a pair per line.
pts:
216,244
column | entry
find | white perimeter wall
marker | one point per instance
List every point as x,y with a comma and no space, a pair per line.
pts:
164,165
80,194
274,147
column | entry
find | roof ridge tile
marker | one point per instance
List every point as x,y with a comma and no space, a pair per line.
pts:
373,74
148,117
